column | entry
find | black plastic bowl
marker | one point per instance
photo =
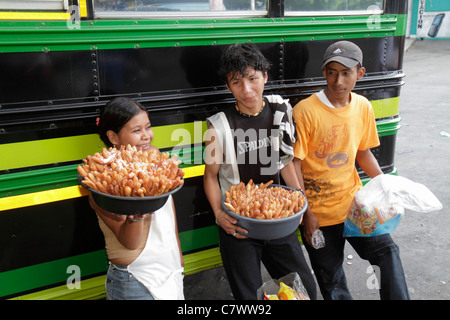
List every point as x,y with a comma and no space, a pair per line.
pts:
263,229
128,205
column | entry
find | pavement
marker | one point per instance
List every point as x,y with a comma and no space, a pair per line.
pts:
422,155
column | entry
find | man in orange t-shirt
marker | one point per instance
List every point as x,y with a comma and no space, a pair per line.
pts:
335,128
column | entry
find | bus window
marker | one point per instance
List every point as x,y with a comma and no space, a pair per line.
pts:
325,6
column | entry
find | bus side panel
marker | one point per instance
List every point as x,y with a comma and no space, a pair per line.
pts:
36,234
46,76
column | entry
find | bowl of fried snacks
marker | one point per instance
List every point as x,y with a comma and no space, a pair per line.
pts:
267,211
130,181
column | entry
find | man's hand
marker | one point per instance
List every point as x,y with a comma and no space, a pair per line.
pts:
228,223
310,224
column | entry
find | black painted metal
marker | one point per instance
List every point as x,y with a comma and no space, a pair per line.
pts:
60,93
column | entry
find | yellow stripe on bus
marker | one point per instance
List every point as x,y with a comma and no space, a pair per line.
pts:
59,150
34,16
83,8
42,197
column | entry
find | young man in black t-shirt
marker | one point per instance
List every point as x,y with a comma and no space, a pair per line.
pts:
252,140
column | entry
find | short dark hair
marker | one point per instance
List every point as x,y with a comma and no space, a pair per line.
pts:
116,113
238,57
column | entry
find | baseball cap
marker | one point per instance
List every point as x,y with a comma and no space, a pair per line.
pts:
344,52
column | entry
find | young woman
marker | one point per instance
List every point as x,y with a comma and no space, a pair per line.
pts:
143,250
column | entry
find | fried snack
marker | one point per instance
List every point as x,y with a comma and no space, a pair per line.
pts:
130,172
261,202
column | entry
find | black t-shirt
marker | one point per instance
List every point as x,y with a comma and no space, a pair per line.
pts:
256,157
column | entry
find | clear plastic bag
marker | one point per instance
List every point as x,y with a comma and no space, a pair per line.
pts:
377,208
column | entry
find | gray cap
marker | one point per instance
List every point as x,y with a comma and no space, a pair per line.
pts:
344,52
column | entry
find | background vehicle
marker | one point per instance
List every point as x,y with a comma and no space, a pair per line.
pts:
62,61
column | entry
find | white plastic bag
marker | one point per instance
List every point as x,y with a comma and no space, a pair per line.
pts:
379,205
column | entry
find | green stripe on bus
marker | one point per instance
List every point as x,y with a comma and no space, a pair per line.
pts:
21,189
53,272
29,36
94,288
48,273
199,238
389,126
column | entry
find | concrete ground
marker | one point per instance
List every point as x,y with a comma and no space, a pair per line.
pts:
422,155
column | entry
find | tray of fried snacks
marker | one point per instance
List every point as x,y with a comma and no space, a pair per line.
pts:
267,211
130,181
289,287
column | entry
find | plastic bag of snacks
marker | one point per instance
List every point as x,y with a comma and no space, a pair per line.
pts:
289,287
379,205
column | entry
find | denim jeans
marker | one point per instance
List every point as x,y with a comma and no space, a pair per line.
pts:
242,263
121,285
379,250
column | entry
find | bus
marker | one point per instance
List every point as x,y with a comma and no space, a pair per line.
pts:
62,60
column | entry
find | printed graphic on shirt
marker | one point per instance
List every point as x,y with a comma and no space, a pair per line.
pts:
317,190
330,143
337,159
256,147
249,146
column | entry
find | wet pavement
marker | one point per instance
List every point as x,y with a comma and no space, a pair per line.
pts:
422,155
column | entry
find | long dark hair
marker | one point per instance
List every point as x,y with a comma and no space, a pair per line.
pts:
116,114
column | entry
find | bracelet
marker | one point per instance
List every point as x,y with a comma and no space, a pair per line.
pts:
136,220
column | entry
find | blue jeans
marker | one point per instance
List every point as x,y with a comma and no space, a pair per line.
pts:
242,263
379,250
121,285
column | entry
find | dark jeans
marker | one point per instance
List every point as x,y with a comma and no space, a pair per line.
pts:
379,250
242,263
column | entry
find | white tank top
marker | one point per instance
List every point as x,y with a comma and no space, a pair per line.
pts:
158,267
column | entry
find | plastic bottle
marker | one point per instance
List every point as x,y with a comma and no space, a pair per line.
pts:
317,239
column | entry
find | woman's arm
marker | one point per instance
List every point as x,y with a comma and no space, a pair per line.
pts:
125,228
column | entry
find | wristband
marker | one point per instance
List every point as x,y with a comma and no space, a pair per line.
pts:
136,220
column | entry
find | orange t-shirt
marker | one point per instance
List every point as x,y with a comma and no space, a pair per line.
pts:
328,140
